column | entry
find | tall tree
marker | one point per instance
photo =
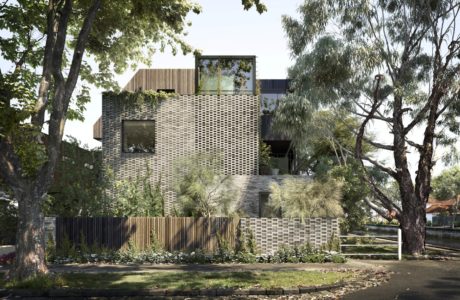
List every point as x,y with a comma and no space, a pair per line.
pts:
323,143
49,45
393,63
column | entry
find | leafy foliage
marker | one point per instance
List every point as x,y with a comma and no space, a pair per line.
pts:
131,100
8,222
79,187
138,196
48,52
387,63
264,154
300,198
447,184
202,190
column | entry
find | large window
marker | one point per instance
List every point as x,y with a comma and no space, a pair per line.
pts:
225,75
138,136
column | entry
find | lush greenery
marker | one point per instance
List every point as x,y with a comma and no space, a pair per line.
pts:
137,196
387,63
8,222
78,188
245,251
323,144
47,47
301,198
52,53
185,280
264,154
447,184
202,190
131,100
285,254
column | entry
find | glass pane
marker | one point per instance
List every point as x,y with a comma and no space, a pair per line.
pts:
139,136
222,75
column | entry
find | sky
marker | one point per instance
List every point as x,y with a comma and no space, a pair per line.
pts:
223,28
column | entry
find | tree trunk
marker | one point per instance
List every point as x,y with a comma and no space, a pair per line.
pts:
30,235
413,222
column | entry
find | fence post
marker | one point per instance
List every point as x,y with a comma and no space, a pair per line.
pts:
399,244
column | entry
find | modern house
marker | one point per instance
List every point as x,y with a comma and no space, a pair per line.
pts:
217,108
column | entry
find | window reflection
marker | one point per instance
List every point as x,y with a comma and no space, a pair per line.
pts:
138,136
225,75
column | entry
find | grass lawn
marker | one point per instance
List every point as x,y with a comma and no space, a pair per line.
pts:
186,280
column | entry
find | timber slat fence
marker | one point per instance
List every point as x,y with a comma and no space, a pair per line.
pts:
188,234
173,233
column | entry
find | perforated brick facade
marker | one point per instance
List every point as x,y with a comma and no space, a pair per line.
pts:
270,233
186,124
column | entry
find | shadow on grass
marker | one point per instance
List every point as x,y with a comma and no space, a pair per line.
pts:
165,280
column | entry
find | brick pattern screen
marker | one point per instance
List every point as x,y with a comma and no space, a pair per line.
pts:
185,125
270,233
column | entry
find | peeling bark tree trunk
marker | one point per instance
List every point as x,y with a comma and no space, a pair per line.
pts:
30,236
413,222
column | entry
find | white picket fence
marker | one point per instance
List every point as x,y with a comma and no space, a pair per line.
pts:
388,241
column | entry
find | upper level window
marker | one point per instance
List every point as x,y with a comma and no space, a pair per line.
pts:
221,75
138,136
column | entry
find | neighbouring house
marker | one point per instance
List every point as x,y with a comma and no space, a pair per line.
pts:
219,106
443,212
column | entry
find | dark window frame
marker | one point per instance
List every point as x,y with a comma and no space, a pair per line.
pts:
123,136
250,57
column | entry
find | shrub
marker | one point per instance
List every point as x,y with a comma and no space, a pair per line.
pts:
39,282
8,222
202,189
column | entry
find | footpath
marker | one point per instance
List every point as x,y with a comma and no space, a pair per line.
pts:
415,280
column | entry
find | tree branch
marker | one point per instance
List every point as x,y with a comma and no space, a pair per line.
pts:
381,212
415,145
22,59
64,89
378,145
40,106
80,49
380,167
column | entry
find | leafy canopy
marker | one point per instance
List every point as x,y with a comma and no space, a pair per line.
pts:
392,64
447,184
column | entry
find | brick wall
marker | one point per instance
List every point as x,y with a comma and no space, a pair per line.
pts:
270,233
186,124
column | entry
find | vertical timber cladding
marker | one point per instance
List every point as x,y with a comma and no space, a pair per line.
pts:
180,80
185,125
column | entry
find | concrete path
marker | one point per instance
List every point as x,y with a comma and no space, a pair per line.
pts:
415,280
